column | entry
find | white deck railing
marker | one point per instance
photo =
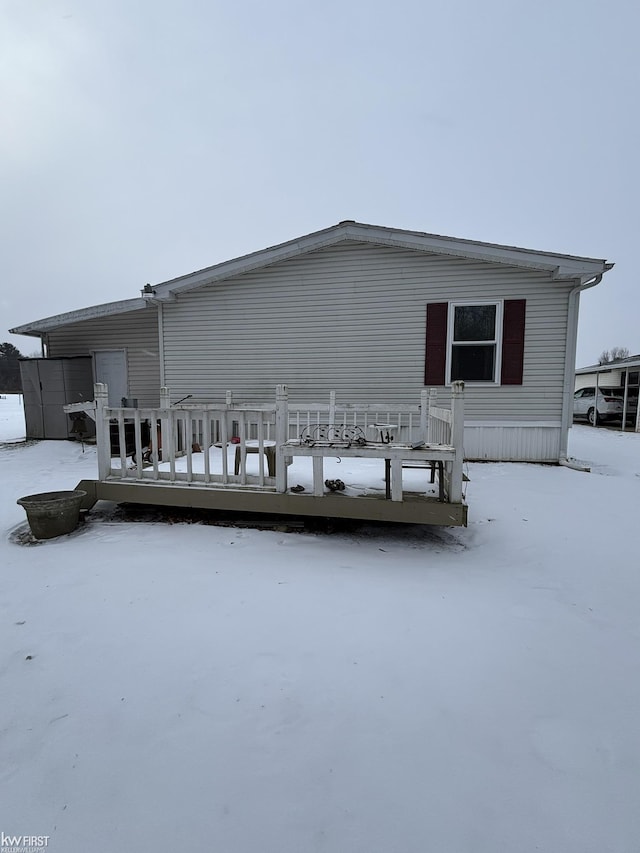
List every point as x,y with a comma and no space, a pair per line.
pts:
207,443
163,442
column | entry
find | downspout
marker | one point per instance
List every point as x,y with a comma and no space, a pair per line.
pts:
149,294
570,370
161,342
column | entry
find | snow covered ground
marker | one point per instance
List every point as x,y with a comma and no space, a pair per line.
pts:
192,687
11,418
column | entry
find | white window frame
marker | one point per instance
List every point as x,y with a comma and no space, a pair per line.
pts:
497,341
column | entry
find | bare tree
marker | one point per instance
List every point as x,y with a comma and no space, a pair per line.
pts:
614,354
619,352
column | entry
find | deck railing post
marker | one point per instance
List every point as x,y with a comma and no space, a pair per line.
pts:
282,434
424,416
457,440
162,435
228,401
103,433
332,408
433,395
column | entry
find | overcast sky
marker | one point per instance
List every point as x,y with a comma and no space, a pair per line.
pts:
142,140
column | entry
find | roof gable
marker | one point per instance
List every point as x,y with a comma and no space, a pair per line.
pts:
560,267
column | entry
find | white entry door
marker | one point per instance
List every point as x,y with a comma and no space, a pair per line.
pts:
110,367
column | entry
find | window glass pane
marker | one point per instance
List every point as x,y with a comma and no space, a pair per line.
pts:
474,323
633,378
473,363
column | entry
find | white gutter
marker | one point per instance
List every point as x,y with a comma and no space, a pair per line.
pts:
570,366
161,342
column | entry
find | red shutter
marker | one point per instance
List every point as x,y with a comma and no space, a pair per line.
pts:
513,341
436,349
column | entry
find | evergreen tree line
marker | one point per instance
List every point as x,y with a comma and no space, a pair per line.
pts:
10,382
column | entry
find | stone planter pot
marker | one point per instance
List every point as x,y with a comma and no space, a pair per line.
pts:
52,514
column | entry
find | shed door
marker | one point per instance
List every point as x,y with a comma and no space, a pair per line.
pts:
110,367
56,422
32,395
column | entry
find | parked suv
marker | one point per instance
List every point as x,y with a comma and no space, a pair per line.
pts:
608,408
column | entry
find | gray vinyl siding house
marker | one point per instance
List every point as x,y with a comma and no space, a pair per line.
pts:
347,309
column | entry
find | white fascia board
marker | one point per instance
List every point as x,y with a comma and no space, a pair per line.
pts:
38,327
244,264
609,366
561,267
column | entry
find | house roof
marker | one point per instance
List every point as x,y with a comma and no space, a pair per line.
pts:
630,361
39,327
561,267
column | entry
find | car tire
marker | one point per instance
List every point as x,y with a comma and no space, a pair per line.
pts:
592,417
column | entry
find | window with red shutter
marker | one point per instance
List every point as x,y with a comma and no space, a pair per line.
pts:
478,342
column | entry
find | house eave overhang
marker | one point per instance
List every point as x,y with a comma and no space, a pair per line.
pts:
561,268
40,327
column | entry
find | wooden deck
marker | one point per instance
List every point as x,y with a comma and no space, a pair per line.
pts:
195,455
414,508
